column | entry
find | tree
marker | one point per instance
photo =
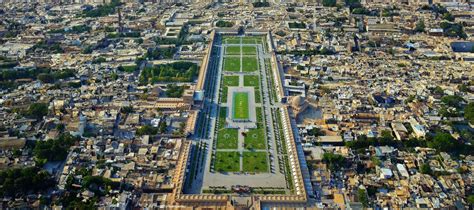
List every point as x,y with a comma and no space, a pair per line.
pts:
162,127
147,130
24,180
114,76
469,113
410,99
296,25
182,126
376,160
352,3
447,16
334,161
97,184
360,11
426,169
261,4
174,91
54,149
37,110
438,90
46,78
443,142
420,26
224,24
127,109
470,199
315,132
280,33
452,100
329,3
463,87
362,197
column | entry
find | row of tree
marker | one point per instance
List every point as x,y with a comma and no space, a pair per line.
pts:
102,10
21,181
173,72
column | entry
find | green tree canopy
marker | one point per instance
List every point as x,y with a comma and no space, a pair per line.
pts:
37,110
443,142
329,3
54,149
420,26
452,100
469,113
335,161
24,180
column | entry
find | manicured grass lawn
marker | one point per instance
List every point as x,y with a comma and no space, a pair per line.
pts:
231,40
232,64
227,162
255,162
228,81
231,81
251,40
232,50
241,105
249,50
249,64
227,138
253,80
255,139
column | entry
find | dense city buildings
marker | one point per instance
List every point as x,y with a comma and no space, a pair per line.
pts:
340,104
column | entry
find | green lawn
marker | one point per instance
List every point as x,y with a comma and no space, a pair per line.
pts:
240,105
232,50
227,162
253,80
251,40
231,81
249,64
231,40
232,64
255,162
249,50
227,138
228,81
255,139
